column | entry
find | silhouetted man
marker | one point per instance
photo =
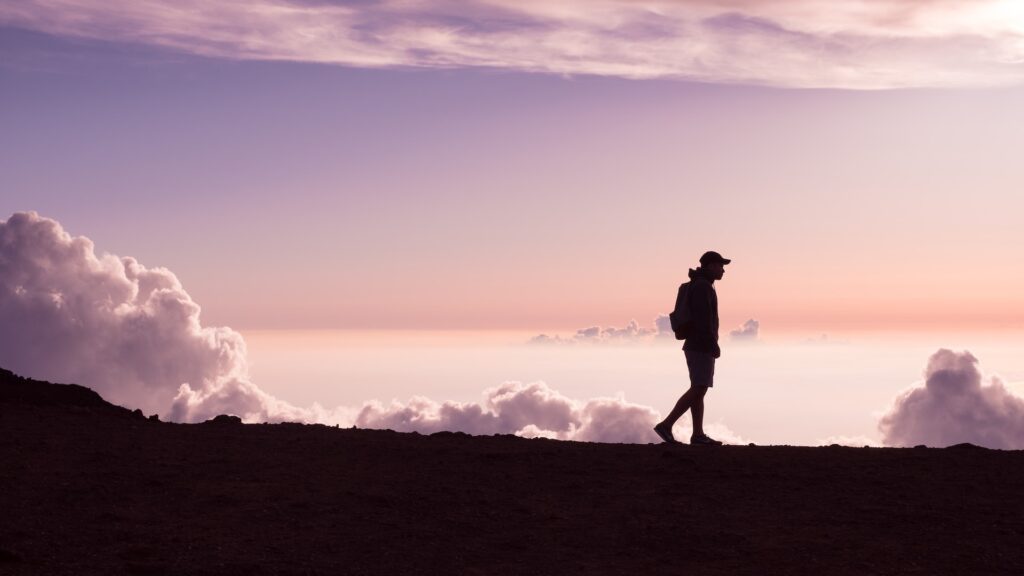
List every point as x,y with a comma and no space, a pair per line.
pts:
701,347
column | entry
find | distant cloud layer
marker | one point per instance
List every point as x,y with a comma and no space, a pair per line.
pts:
630,333
955,406
634,332
794,43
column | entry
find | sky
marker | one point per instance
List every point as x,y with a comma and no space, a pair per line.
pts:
527,168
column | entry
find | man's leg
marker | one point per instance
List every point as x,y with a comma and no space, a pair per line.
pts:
684,403
697,408
701,374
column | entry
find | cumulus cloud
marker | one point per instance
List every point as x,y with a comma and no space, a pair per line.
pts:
746,333
630,333
131,333
663,327
795,43
954,406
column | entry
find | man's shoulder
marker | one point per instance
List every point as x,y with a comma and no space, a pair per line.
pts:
700,283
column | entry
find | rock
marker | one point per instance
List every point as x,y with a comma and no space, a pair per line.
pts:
450,434
18,390
225,419
966,446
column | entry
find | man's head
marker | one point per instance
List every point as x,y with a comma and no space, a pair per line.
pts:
713,265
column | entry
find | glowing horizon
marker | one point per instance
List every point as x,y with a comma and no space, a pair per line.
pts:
133,333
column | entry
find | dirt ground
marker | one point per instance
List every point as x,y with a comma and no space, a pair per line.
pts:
89,488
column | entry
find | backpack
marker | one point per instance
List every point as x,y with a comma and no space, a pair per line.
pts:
679,318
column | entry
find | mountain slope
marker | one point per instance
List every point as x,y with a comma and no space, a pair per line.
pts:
90,488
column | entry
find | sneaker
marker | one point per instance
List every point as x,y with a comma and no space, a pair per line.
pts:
665,433
704,440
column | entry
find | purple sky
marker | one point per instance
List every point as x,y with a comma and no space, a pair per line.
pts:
289,194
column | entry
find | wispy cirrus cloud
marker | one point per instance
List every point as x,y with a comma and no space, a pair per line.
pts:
791,43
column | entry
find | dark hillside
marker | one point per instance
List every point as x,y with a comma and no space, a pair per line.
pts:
89,488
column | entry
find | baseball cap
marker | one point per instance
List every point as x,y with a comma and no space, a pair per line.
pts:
712,257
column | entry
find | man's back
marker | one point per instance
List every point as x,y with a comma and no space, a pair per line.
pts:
703,304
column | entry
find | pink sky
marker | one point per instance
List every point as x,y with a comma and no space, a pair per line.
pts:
532,165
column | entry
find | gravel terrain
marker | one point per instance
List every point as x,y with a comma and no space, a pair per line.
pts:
90,488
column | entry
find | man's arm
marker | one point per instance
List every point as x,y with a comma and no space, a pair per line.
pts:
702,334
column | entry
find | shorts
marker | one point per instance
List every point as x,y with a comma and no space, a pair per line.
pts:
702,368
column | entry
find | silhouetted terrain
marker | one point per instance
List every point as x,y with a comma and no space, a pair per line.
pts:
90,488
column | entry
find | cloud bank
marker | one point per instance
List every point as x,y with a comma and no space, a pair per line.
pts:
530,410
134,335
955,406
630,333
634,333
791,43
